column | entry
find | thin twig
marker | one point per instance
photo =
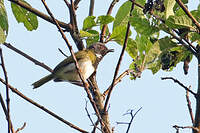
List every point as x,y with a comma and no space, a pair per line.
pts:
88,114
8,45
119,61
86,86
132,117
91,9
62,52
131,121
117,81
7,91
5,112
103,31
67,27
74,27
189,106
181,84
184,127
187,12
21,128
42,107
76,2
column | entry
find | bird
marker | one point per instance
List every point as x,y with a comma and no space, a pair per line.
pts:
88,60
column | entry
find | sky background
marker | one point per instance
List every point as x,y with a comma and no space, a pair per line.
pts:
163,102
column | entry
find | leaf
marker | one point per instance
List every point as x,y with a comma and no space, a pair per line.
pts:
132,48
122,15
94,38
179,22
141,24
24,16
86,34
2,36
118,34
89,22
104,19
3,22
169,4
195,37
166,43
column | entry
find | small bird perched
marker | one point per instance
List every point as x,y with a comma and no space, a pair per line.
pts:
88,61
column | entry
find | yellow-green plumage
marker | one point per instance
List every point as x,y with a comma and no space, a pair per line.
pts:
66,70
63,71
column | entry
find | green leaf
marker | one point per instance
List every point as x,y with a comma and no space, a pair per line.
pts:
3,22
166,43
132,48
169,4
195,37
119,34
104,19
178,22
24,16
141,24
92,39
122,15
86,34
2,36
89,22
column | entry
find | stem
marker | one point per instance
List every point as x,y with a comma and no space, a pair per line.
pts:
197,114
43,108
7,91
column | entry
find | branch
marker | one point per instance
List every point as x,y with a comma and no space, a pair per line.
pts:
178,127
190,47
42,107
131,121
21,128
8,45
181,84
103,31
7,91
91,10
189,106
187,12
74,27
86,86
67,27
117,81
5,112
76,2
119,61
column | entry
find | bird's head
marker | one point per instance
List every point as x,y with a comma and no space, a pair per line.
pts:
100,50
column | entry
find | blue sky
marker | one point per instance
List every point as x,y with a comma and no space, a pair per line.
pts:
163,102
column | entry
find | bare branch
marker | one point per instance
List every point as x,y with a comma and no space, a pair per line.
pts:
119,61
189,106
73,21
85,84
42,107
178,127
21,128
5,112
91,9
103,31
181,84
117,81
88,114
131,121
76,2
8,45
187,12
7,91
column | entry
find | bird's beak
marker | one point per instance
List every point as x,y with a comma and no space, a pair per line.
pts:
110,50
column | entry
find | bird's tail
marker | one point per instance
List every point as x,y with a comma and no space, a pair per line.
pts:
42,81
